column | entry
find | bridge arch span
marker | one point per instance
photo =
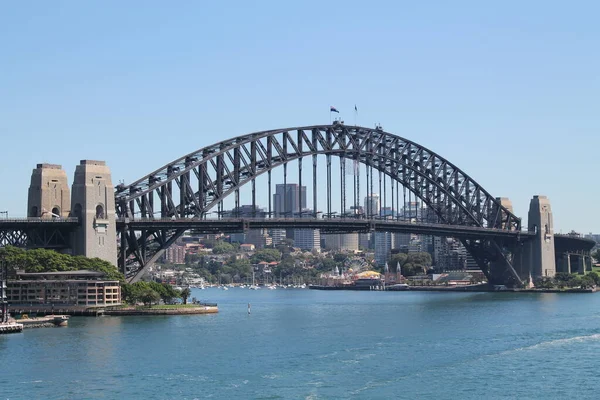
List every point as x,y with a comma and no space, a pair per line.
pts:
225,167
194,184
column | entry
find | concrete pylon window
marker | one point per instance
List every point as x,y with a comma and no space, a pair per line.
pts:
99,211
56,212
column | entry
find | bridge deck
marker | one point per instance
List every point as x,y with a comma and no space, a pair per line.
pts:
325,224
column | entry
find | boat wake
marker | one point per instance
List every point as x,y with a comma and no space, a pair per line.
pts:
557,342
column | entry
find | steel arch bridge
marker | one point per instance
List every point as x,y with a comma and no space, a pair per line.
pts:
187,189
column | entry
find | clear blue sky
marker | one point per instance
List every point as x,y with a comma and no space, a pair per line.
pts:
508,92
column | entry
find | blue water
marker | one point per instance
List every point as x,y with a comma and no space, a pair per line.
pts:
304,344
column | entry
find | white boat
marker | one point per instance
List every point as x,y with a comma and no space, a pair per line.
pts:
254,287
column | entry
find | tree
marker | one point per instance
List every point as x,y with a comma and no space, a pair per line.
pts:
409,269
328,264
397,258
185,294
421,259
575,281
266,255
596,255
44,260
222,248
240,267
544,283
166,292
587,281
149,296
594,275
340,258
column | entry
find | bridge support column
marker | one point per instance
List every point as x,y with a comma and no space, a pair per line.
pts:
539,251
93,202
580,264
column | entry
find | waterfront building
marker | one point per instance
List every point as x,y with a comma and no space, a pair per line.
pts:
63,288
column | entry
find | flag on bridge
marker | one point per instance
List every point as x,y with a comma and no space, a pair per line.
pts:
333,109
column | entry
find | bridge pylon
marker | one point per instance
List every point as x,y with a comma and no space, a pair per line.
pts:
93,202
537,256
48,195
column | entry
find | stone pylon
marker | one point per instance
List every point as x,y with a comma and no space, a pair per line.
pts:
48,192
93,202
540,250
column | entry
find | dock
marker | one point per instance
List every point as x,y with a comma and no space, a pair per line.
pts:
45,321
10,327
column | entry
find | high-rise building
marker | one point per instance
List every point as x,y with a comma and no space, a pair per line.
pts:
289,199
372,208
384,243
277,236
307,239
364,240
342,241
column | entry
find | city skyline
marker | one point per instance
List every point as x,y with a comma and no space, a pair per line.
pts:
492,91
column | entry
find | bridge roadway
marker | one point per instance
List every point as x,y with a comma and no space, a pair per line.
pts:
327,225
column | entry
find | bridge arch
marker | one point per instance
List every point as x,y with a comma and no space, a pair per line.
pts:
192,185
223,168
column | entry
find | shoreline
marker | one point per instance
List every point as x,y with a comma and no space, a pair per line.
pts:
460,289
163,311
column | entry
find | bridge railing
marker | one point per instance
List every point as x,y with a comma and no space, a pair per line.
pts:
39,219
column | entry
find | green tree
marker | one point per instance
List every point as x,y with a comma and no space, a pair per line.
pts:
149,296
409,269
166,292
575,281
328,264
544,283
421,259
44,260
340,258
398,258
266,255
223,248
587,281
594,275
185,294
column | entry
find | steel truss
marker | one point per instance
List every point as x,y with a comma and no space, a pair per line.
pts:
36,234
191,186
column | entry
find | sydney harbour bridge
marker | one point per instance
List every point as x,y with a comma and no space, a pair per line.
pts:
339,164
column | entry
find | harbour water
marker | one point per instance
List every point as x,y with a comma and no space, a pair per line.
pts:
305,344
